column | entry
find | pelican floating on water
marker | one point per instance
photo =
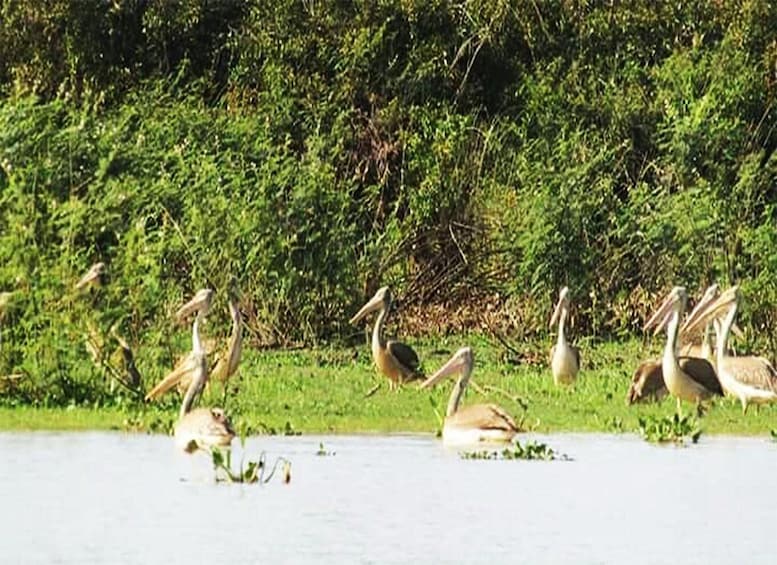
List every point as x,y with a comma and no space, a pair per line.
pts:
694,381
394,359
564,358
471,424
751,379
200,428
93,277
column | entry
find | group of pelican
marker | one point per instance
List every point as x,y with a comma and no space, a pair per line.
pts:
693,374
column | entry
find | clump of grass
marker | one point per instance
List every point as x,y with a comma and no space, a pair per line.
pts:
669,429
531,450
250,472
773,433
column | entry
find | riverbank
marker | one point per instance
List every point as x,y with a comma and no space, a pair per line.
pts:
328,391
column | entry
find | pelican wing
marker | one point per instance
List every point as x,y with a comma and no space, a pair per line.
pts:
406,357
182,370
484,417
701,371
754,371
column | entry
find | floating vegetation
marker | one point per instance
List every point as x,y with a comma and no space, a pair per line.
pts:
531,450
323,452
773,433
669,429
250,472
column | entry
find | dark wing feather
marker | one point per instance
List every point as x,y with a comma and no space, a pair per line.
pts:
647,382
701,371
405,355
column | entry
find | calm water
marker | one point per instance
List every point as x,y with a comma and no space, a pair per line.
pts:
102,497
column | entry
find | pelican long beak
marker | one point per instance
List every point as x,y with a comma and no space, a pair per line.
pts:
714,310
200,303
737,331
709,296
91,276
454,365
662,315
556,312
375,303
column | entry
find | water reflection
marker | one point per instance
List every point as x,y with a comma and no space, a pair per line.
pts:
98,497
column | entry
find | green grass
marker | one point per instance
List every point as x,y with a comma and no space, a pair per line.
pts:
323,391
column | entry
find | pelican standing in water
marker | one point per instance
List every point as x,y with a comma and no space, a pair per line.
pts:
471,424
751,379
183,372
395,360
200,428
693,382
564,358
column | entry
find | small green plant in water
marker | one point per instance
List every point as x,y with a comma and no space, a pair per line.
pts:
323,452
250,472
531,450
669,429
773,433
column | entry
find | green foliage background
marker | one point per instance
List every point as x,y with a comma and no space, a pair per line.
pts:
316,150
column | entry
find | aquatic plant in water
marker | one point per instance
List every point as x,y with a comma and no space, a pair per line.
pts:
250,472
322,451
669,429
530,451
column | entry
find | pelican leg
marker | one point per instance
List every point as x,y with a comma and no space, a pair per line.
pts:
744,406
679,408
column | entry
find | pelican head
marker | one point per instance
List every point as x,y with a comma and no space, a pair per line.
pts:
93,276
674,302
563,302
200,304
461,362
382,299
707,298
714,310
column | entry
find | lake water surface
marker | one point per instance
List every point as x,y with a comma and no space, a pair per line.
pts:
121,498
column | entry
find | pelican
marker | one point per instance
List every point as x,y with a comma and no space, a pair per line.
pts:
564,358
200,428
93,277
395,360
184,370
648,379
229,361
696,380
5,302
751,379
472,424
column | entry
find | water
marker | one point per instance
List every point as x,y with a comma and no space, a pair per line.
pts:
118,498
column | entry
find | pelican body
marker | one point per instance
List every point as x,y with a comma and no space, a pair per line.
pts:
200,428
692,382
751,379
564,358
394,359
473,424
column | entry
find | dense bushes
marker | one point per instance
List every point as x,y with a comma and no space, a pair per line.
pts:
316,151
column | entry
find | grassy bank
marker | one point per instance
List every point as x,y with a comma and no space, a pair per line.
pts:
323,391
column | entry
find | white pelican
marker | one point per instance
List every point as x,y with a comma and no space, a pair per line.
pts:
228,361
751,379
647,382
200,428
471,424
183,372
93,277
695,380
564,358
395,360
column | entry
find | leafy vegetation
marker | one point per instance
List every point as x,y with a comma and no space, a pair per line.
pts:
529,451
673,428
474,155
252,471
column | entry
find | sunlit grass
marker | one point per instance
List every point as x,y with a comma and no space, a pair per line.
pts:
323,391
